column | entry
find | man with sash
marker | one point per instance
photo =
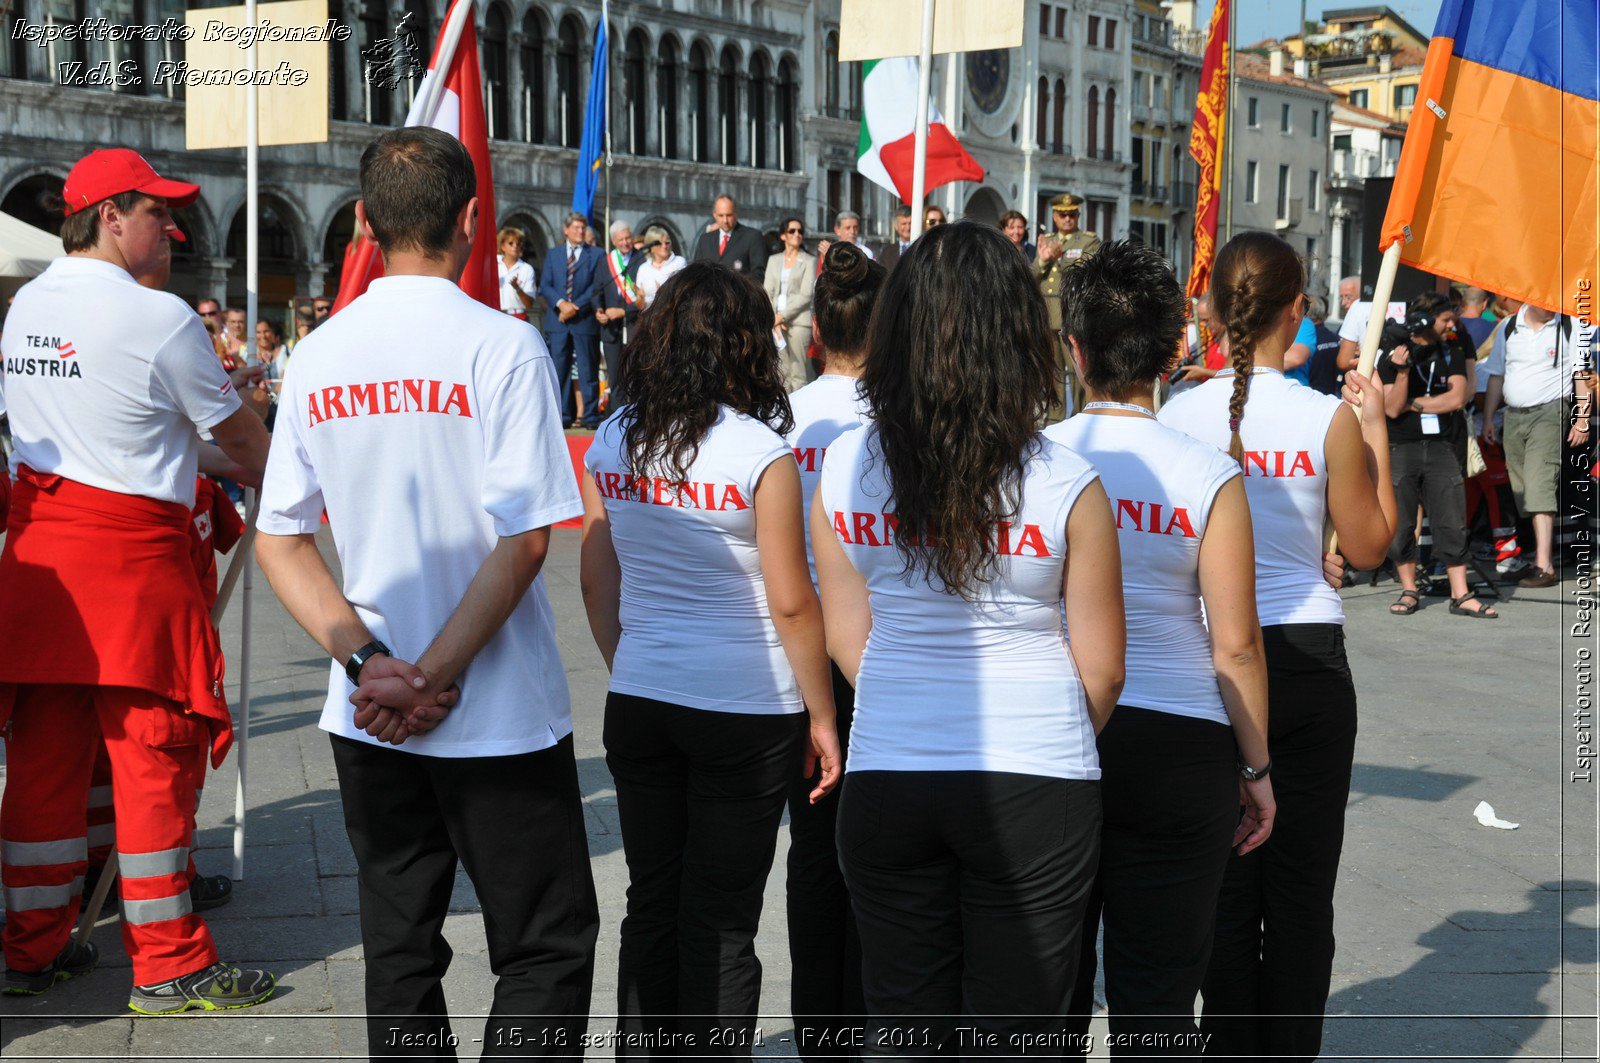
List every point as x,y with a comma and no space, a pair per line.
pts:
618,311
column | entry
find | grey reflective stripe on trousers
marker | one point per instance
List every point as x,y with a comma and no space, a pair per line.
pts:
43,854
150,865
36,898
136,913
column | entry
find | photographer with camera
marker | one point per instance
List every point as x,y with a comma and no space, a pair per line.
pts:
1423,369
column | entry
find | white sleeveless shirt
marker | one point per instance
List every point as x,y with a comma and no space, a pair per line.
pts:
695,626
1285,433
951,685
1161,485
824,408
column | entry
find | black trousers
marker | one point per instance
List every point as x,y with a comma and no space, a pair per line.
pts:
969,890
700,796
1428,472
516,824
1267,985
824,947
1171,791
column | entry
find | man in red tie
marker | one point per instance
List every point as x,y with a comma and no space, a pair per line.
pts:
736,246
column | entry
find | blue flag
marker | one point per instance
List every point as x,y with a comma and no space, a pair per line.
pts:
591,150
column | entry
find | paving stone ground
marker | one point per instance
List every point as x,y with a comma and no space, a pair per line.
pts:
1455,939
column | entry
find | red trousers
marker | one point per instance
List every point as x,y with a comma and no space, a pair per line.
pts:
158,754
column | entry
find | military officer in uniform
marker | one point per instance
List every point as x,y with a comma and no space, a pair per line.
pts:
1058,253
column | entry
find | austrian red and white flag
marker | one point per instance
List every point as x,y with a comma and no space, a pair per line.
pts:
457,109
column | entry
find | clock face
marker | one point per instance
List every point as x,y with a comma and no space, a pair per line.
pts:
988,78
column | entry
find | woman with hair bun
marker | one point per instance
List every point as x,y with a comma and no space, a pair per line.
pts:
948,533
824,949
695,582
1307,459
1194,708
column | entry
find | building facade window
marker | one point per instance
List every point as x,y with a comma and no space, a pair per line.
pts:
1111,33
1092,129
1042,113
1061,22
830,74
1316,123
1058,127
1252,181
1283,191
1313,189
1284,123
700,102
757,126
787,99
1405,96
1111,124
58,52
496,77
728,104
669,71
535,96
1094,31
634,98
1359,98
569,82
1252,112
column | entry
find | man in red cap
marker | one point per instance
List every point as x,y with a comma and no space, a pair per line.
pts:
107,384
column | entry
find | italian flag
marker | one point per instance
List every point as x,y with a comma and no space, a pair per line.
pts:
886,152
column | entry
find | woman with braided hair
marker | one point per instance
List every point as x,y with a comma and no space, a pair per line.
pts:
1307,458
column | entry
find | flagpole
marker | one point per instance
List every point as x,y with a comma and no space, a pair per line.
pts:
252,302
605,84
1227,123
919,166
426,106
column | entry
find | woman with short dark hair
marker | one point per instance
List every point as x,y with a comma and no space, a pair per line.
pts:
695,581
1015,226
969,823
1194,707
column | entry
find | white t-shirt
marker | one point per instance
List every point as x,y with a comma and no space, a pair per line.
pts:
824,408
1161,485
108,382
1538,363
1354,325
426,423
650,276
1285,433
952,685
510,302
695,626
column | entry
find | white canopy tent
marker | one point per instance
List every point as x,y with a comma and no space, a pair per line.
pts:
24,250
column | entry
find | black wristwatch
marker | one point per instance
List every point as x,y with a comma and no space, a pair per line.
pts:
1249,774
352,667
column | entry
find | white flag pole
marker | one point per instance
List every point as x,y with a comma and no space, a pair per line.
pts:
252,303
426,105
919,167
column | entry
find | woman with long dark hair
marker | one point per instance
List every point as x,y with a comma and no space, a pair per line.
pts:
1307,459
948,533
695,581
824,948
1193,713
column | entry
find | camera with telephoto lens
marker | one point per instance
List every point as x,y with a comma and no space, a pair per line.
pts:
1395,334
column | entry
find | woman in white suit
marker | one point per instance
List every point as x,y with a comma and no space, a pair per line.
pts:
790,279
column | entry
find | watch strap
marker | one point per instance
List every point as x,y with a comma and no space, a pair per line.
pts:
1250,774
352,667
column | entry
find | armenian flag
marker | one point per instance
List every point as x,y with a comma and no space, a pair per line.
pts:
1496,185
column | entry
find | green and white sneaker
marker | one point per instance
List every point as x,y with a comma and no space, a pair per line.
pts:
220,987
75,961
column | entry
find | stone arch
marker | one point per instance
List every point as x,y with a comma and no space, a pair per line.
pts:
984,206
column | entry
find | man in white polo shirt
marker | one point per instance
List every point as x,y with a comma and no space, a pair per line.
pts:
425,423
102,622
1534,367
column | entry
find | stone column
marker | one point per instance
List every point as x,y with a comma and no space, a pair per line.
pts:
517,125
213,278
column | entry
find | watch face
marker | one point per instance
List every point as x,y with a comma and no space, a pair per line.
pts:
988,77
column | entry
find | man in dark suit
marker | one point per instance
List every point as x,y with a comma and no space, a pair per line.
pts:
736,246
570,285
618,308
889,254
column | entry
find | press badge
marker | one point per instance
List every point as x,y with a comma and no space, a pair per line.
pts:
1430,423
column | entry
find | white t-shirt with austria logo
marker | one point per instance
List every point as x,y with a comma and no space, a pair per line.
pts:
109,383
1161,485
695,626
952,685
1285,433
823,409
426,424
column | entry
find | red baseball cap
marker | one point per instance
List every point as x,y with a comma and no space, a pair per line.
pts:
113,171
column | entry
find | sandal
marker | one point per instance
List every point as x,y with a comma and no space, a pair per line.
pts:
1483,612
1401,607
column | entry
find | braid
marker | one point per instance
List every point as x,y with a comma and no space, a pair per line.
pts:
1241,346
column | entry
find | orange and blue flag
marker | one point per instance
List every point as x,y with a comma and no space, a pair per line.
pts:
1496,185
